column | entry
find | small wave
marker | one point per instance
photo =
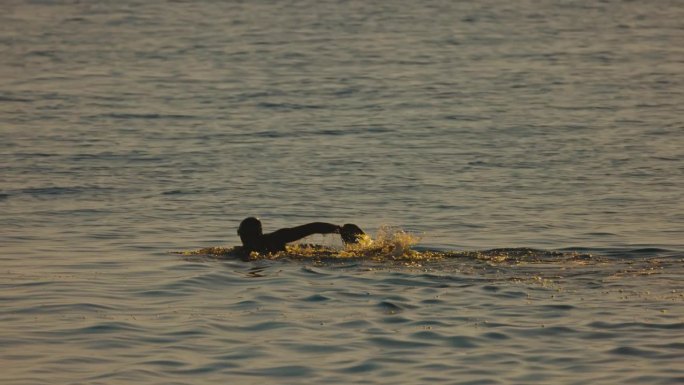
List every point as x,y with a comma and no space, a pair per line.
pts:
62,190
636,325
388,307
14,99
288,106
105,328
145,116
317,298
632,351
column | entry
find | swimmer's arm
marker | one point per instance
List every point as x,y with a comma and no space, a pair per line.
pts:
295,233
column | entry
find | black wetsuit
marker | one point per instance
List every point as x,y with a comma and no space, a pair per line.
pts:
276,241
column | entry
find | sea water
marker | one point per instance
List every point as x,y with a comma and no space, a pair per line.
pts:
519,167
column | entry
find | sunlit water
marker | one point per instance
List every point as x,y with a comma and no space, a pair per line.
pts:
528,158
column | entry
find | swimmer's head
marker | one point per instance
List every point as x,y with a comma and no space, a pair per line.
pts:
250,228
351,233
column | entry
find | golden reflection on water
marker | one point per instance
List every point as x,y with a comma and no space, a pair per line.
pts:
392,244
394,248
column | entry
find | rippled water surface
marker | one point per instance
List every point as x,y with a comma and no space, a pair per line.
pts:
534,150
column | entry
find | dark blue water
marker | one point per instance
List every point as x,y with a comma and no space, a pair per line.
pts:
135,133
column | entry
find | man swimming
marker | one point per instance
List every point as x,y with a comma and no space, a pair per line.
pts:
253,238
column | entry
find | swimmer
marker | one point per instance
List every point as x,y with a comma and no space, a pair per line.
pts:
253,238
